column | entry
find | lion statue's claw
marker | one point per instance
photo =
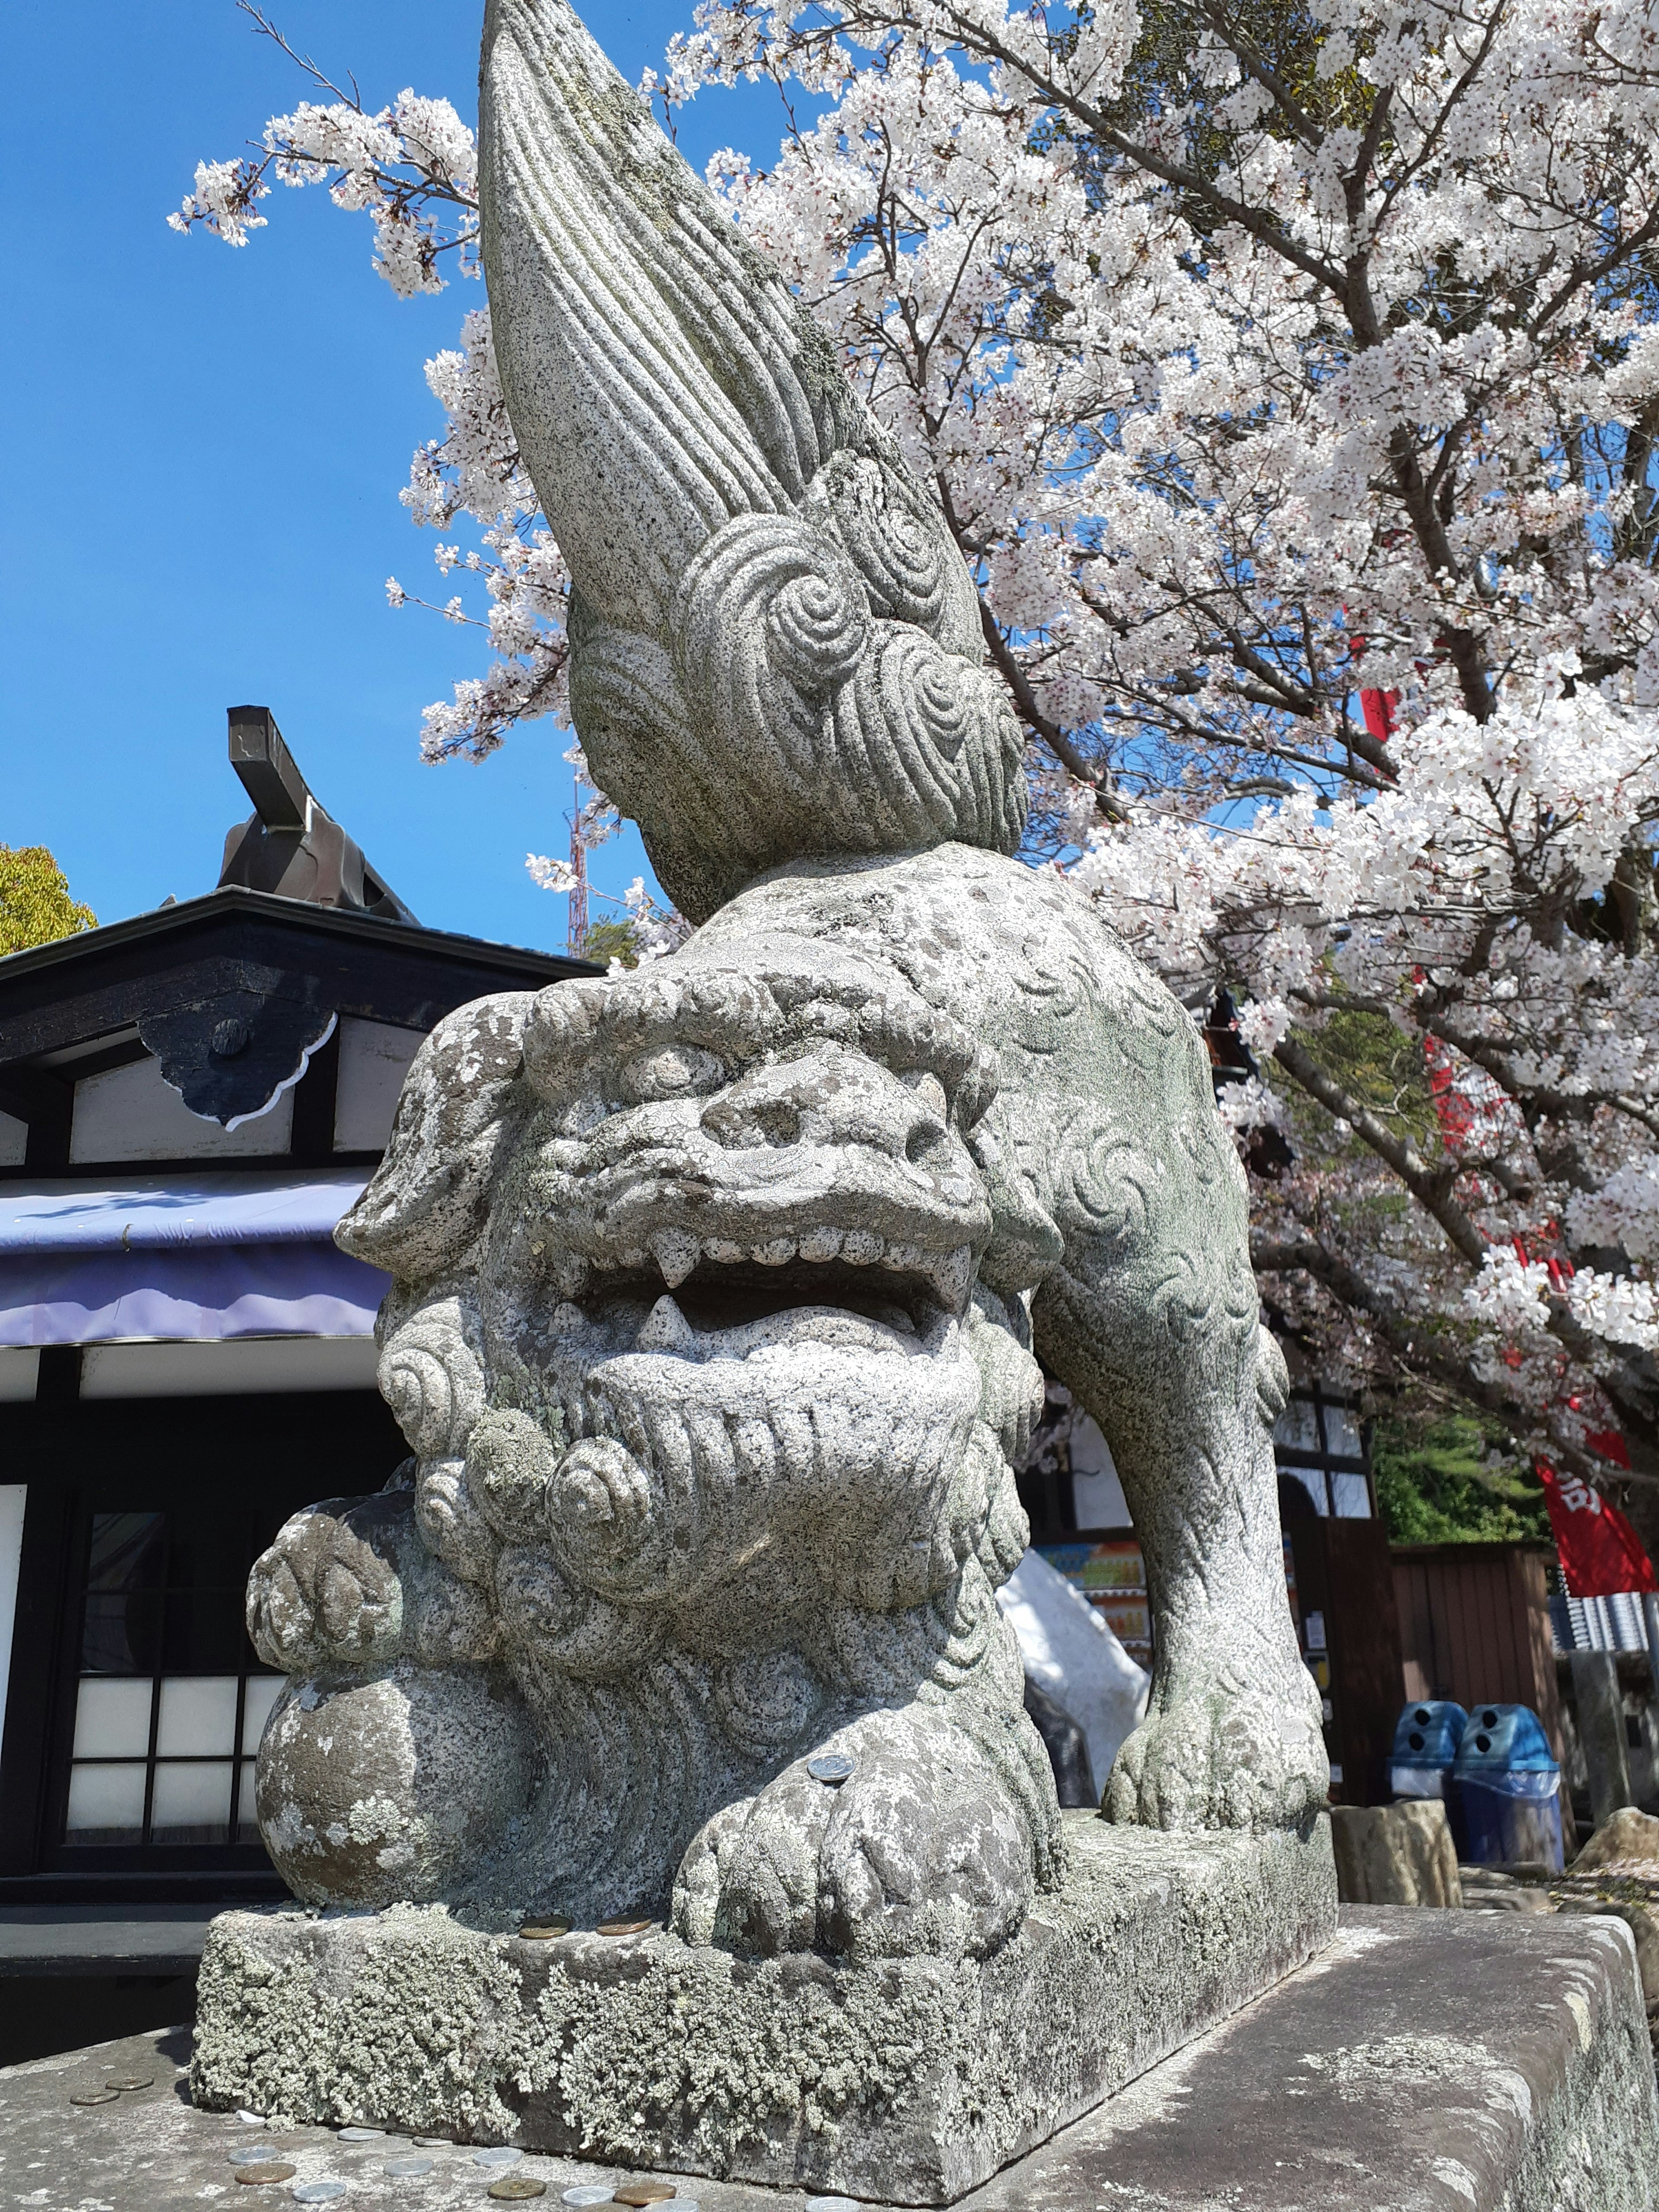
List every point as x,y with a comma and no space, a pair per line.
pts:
323,1594
1225,1756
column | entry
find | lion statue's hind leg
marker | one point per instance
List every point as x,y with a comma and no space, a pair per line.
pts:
1152,1321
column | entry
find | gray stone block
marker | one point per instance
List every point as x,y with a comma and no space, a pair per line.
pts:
905,2079
1395,1854
1423,2063
1627,1842
1439,2061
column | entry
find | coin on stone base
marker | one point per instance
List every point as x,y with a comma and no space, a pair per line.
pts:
643,2192
273,2169
96,2097
517,2185
123,2081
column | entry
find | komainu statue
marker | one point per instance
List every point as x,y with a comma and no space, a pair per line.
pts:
719,1286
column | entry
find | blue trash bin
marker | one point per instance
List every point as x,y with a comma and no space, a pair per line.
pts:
1425,1741
1509,1790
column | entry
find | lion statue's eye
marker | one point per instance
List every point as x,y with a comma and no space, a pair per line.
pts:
673,1071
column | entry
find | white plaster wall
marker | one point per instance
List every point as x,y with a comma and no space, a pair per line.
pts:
130,1114
374,1059
20,1374
12,1495
193,1369
14,1141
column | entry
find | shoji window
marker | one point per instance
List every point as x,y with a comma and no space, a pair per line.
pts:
171,1698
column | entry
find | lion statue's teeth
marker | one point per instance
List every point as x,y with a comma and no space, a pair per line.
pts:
664,1328
676,1253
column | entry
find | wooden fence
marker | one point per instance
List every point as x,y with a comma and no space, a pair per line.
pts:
1474,1625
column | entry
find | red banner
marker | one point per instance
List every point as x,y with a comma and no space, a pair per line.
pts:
1377,708
1600,1553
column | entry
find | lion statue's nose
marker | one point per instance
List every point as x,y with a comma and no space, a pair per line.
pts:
834,1097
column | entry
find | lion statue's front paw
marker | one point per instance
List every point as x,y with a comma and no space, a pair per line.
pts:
1227,1753
921,1850
749,1880
324,1594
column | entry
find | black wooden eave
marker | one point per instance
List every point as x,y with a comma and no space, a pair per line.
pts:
229,989
83,987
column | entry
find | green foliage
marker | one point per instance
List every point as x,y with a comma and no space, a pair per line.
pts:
609,940
1383,1068
1435,1484
36,906
1284,36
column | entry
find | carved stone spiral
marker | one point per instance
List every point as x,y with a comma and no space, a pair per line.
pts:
771,605
765,1701
509,1465
815,631
897,540
822,690
943,746
923,695
449,1524
431,1378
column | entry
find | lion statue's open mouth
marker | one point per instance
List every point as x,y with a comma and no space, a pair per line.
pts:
737,1248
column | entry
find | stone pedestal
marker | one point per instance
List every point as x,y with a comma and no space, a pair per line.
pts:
909,2080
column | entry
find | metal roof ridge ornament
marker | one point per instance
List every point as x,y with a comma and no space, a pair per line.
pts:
290,845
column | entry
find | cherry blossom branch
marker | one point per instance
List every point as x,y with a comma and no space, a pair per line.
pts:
1430,1187
1084,771
1417,1349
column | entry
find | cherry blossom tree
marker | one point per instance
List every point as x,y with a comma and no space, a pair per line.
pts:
1290,381
412,169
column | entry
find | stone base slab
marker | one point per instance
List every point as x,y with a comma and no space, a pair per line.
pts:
1425,2062
1429,2061
907,2081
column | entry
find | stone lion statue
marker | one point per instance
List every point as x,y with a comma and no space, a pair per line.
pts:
719,1286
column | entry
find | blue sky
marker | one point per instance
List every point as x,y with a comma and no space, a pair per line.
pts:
206,451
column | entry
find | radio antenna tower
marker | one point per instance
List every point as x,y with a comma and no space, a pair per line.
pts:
576,921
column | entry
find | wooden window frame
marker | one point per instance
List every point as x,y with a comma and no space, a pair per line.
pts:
76,1457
